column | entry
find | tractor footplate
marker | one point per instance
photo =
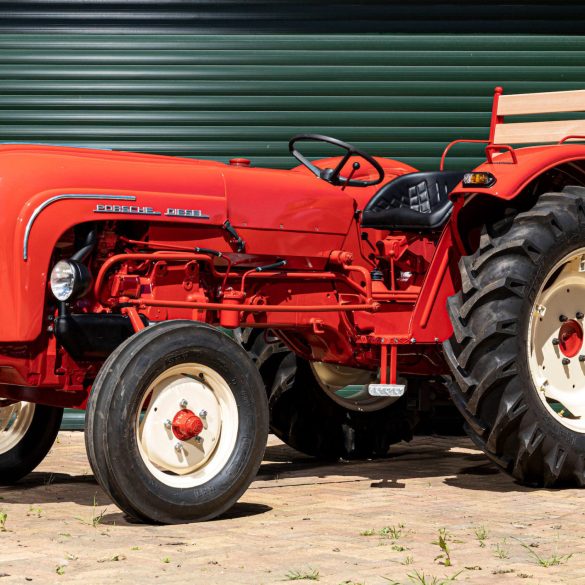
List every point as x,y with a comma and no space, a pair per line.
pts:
386,389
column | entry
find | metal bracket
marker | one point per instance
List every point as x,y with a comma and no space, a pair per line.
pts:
238,241
396,390
388,364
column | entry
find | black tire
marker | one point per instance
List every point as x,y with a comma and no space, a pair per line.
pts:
487,353
305,418
266,351
430,409
111,439
36,442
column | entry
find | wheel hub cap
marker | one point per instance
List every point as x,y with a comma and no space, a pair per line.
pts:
187,443
186,425
570,338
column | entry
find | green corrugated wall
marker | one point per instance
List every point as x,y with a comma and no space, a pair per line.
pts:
213,80
402,96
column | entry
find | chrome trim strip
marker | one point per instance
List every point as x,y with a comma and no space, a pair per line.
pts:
52,200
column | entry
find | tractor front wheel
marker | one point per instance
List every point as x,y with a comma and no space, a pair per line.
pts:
177,423
27,433
517,351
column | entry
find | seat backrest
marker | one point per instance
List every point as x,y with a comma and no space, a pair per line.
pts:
536,103
422,192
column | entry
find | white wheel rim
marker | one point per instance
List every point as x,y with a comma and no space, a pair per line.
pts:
348,387
555,342
15,420
193,462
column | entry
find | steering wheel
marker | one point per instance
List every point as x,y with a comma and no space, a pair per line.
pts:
332,175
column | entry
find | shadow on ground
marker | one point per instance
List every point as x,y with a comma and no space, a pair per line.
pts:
424,458
239,510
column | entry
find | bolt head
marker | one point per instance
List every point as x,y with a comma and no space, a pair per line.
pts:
168,424
566,361
412,340
178,447
202,413
563,318
582,358
579,315
555,341
183,403
199,439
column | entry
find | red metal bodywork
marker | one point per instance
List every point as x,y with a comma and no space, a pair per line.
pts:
158,215
532,161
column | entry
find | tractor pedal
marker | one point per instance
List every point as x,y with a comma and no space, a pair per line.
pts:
396,390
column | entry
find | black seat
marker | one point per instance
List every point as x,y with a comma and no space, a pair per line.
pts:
417,201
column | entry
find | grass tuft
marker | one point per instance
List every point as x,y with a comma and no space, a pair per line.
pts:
96,518
444,557
501,550
550,561
308,575
481,534
424,579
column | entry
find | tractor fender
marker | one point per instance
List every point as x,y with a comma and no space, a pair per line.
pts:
513,172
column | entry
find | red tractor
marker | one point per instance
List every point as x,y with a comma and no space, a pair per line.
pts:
119,270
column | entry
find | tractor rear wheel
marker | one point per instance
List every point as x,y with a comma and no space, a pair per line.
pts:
177,423
517,352
315,410
27,433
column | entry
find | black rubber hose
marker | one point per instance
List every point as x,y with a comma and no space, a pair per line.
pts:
90,243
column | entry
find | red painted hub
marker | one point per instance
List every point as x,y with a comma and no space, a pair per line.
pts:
570,338
186,425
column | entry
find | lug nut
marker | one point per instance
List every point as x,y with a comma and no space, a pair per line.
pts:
579,315
566,361
555,341
178,447
168,424
183,403
202,413
563,318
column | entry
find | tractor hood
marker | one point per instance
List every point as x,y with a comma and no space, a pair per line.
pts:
46,190
49,189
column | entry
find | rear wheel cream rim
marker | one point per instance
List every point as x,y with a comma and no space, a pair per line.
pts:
192,462
555,342
15,421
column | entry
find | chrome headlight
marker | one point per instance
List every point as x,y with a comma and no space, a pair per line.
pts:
69,279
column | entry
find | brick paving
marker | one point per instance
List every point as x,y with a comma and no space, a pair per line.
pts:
365,522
